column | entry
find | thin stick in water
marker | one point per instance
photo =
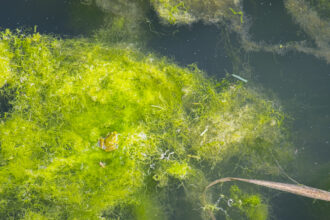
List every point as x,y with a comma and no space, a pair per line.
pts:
301,190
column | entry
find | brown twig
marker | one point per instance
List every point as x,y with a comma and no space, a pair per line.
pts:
301,190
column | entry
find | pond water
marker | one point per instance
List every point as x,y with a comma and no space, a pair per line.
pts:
300,81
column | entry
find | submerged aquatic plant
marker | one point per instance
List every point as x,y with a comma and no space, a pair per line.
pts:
317,27
295,189
189,11
124,20
311,23
312,16
169,126
322,7
185,12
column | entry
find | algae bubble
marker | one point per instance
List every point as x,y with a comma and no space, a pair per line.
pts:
173,129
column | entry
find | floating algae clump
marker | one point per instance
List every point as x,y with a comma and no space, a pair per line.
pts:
190,11
124,20
66,95
313,25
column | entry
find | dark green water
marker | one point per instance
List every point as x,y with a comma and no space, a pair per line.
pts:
300,81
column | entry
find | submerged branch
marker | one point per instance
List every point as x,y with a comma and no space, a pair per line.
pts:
301,190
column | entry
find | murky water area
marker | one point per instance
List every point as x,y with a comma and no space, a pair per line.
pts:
297,79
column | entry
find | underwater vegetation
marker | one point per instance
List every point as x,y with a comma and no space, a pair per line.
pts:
99,131
297,189
311,16
124,20
186,12
322,7
313,24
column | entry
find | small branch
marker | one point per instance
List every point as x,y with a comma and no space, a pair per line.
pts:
301,190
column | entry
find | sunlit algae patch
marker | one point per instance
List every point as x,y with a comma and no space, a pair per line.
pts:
159,121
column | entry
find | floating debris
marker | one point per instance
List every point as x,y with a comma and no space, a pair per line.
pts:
156,106
206,129
102,164
240,78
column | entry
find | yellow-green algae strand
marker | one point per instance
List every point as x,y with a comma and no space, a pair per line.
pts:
66,94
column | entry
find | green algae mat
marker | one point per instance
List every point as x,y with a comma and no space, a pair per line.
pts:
92,131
